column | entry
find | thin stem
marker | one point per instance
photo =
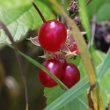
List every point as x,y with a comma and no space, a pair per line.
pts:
2,74
93,32
62,17
23,78
39,12
7,32
93,29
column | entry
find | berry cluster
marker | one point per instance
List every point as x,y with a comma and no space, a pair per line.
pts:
58,45
67,73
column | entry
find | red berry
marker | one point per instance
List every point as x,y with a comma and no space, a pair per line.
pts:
52,35
55,67
70,75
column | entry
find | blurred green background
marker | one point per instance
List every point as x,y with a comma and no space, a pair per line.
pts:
23,22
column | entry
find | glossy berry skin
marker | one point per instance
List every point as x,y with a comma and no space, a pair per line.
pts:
52,35
55,67
70,75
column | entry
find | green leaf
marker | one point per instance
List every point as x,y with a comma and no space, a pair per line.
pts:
84,17
21,18
103,75
94,6
99,9
104,68
68,96
103,14
100,55
82,69
97,56
74,60
105,89
63,3
83,102
78,103
53,93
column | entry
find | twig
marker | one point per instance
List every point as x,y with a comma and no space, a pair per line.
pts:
39,12
7,32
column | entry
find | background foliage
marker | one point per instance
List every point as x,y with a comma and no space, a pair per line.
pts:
23,21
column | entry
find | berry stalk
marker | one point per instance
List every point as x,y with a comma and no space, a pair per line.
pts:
39,12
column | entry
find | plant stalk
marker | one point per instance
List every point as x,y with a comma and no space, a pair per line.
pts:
39,12
84,52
